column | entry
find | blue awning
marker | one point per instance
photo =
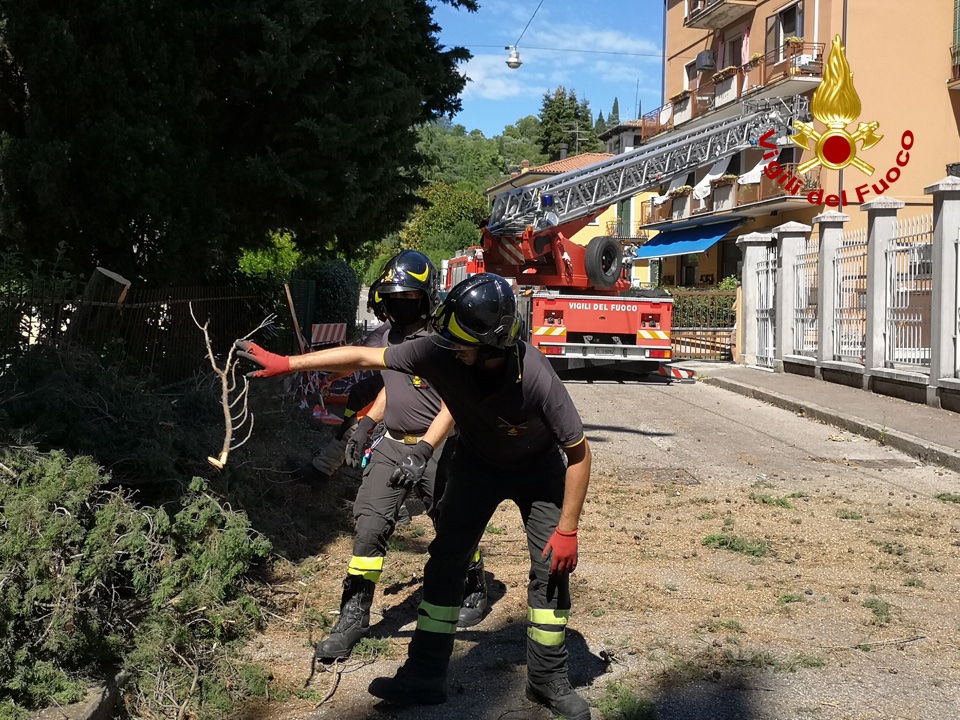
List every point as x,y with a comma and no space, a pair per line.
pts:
688,241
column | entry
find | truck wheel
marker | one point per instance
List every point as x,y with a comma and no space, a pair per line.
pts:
603,260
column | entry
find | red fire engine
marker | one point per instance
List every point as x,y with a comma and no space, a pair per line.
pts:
572,295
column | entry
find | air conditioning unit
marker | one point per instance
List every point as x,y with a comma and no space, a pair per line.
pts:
803,60
706,60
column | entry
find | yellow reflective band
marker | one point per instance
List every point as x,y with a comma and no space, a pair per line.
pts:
545,637
454,327
582,438
436,626
422,277
439,612
476,556
383,357
548,617
369,567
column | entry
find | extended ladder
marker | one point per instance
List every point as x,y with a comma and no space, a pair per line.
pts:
579,193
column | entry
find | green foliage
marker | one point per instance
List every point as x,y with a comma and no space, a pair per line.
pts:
730,282
613,118
734,543
161,139
561,113
462,235
337,291
91,579
452,156
274,263
620,703
519,142
600,125
704,308
445,206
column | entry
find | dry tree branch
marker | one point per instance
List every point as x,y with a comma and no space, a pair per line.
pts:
233,420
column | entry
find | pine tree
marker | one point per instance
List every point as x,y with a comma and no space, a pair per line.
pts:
613,119
600,125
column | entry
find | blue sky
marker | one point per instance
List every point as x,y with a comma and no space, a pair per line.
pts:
605,50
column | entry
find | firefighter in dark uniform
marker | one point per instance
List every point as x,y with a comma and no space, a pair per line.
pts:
404,458
520,438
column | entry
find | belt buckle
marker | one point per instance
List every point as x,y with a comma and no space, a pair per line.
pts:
410,439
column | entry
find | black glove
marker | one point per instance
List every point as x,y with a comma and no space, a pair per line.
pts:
411,468
353,455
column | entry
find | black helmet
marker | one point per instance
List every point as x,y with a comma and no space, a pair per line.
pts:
411,270
479,310
375,302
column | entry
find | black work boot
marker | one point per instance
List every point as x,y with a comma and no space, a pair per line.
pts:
354,622
474,596
560,697
409,687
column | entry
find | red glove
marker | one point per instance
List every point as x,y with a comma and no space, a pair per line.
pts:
564,547
271,363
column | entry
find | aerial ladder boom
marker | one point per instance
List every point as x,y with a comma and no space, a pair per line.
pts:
583,193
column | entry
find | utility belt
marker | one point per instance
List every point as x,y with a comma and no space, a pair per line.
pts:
405,439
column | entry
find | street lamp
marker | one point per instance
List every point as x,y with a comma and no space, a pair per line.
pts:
513,59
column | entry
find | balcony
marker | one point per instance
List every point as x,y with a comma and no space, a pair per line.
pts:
791,69
954,82
717,14
620,230
729,197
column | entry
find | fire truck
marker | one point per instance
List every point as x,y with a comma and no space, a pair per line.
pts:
572,295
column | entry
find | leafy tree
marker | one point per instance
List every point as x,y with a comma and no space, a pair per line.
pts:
445,205
451,155
613,118
519,142
158,139
564,119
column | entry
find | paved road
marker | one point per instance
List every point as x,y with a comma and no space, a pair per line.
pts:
662,449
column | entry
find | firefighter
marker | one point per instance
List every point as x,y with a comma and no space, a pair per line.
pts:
404,458
520,438
362,395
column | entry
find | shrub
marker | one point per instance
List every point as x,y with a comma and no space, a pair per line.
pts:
336,293
92,581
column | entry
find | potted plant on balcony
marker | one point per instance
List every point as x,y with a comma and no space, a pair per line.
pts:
681,191
679,97
723,180
794,43
727,72
753,61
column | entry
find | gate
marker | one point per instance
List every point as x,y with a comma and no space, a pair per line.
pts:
703,323
767,308
909,290
805,332
850,298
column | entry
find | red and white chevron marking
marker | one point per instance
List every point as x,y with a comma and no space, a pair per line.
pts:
512,251
676,373
328,333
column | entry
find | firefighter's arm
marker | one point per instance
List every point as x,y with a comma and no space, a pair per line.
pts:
579,459
339,359
440,428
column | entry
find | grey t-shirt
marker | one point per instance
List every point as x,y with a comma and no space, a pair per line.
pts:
526,417
412,402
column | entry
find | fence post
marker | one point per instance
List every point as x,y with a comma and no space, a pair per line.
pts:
881,230
944,313
753,246
791,241
831,235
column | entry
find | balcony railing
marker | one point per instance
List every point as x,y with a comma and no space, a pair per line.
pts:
955,63
621,230
788,60
716,14
727,197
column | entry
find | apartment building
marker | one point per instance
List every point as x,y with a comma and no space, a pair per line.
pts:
724,57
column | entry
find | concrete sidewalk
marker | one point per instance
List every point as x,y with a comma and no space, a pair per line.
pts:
926,433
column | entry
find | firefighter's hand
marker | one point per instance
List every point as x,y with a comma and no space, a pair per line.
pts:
411,468
353,455
563,546
271,363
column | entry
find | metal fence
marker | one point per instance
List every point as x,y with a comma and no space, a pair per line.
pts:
805,333
150,328
703,323
766,308
850,298
909,288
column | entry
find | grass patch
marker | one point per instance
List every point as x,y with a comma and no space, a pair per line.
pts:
370,648
898,549
620,703
797,662
914,582
882,611
849,514
734,543
707,516
494,530
948,497
788,598
771,500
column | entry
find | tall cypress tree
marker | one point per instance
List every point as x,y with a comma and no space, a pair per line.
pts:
613,119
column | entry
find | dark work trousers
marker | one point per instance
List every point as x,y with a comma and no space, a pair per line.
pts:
377,503
474,490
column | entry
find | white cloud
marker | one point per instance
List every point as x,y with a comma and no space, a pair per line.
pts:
489,78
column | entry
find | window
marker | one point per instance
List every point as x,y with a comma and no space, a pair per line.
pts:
733,51
690,76
788,22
